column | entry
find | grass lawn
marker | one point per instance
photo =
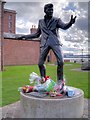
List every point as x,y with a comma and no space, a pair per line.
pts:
18,76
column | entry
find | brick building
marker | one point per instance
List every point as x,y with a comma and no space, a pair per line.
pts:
9,21
20,52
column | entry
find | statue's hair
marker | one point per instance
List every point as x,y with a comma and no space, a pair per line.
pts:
48,6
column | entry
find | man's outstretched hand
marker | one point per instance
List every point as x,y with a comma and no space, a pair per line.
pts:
72,21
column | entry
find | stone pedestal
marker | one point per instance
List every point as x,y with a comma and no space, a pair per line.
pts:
52,107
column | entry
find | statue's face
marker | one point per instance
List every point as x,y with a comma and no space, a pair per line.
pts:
49,12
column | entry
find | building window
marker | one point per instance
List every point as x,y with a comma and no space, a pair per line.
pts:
10,17
10,27
10,23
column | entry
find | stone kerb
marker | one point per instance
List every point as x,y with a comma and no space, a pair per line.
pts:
47,107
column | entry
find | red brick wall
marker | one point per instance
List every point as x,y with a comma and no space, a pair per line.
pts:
21,52
66,60
53,58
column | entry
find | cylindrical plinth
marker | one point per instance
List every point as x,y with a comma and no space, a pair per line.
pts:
32,107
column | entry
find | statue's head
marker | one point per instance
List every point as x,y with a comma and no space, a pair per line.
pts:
48,9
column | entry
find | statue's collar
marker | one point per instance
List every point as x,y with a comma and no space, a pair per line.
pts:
46,17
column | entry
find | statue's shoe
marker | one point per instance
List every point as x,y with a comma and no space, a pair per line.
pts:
59,86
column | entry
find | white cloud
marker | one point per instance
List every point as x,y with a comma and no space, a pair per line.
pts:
28,14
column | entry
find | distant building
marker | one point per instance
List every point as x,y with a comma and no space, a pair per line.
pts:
9,23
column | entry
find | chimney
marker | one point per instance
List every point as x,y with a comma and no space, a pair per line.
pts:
33,29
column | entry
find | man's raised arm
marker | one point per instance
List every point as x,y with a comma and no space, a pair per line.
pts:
66,25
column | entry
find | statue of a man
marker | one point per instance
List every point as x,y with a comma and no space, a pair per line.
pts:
48,29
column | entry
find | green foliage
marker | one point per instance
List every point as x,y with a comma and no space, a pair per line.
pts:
17,76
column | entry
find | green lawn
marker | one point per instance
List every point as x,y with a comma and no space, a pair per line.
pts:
17,76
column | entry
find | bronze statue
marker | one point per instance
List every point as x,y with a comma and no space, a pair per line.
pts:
48,29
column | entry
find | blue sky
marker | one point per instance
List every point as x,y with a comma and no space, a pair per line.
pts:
73,39
70,6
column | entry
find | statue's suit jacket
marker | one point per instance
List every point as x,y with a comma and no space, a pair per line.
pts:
49,31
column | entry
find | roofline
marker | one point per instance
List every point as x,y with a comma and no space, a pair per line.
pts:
14,36
8,10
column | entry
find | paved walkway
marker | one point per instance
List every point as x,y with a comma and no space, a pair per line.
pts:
13,110
79,69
